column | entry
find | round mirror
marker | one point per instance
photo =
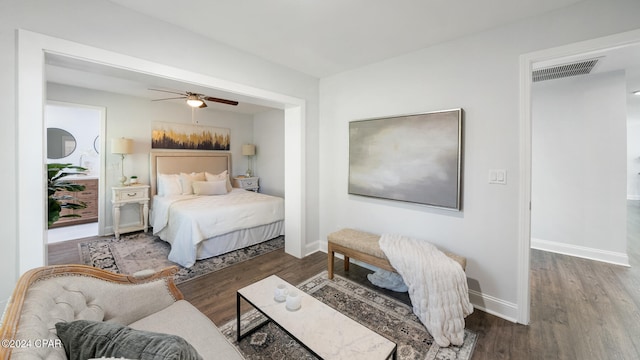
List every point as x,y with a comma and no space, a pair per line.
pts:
96,144
60,143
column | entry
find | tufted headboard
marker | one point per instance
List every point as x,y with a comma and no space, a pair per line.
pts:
175,162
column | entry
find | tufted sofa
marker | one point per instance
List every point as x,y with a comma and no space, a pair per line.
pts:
63,293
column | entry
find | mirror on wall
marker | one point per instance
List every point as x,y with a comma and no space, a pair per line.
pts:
96,144
60,143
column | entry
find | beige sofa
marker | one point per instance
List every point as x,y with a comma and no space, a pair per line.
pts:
63,293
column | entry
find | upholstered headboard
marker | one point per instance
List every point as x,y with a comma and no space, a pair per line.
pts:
175,162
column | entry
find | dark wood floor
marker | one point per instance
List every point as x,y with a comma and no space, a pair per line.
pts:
580,309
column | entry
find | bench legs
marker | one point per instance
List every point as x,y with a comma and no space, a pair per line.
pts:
331,258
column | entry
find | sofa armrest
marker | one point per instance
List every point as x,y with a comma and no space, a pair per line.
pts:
114,297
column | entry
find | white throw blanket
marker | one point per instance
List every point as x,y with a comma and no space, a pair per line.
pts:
437,286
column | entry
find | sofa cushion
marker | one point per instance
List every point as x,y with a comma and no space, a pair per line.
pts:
182,318
83,339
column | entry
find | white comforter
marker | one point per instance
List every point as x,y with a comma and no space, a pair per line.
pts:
437,286
190,219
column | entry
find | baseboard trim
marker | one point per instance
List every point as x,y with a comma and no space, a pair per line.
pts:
494,306
610,257
312,248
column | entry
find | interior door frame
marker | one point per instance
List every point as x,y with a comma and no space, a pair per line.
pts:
524,199
102,131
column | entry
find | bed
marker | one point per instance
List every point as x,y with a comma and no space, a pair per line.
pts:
195,209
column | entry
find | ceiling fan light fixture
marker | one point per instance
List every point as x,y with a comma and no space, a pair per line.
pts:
194,101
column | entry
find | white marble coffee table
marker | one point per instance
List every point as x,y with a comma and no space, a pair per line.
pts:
325,332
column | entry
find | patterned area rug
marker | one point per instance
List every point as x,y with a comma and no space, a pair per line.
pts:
384,315
140,251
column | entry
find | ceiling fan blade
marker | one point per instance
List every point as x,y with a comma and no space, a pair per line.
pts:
169,91
173,98
222,101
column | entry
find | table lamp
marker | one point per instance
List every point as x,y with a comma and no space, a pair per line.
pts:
248,150
122,147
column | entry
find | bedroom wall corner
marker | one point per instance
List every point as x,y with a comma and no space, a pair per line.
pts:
268,164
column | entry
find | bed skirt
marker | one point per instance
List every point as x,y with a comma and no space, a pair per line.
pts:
239,239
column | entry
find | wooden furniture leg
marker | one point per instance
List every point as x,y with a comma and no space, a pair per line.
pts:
330,258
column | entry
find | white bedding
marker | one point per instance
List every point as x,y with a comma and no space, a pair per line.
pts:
186,220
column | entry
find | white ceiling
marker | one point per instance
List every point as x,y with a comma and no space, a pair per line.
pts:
320,38
69,71
325,37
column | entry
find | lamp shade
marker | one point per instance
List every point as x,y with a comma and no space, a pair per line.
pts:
121,146
248,150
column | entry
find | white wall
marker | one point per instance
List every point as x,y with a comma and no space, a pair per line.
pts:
633,145
104,25
480,74
268,164
579,128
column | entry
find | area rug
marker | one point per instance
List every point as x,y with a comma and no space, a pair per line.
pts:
384,315
140,251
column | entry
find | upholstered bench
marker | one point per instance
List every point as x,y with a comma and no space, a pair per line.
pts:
364,246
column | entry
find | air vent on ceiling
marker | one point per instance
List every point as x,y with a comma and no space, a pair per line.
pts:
564,70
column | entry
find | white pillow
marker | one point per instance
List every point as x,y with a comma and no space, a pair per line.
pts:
222,176
218,187
187,179
169,184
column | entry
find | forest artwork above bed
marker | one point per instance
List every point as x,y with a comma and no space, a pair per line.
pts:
413,158
190,137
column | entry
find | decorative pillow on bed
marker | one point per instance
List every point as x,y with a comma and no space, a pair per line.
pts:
83,339
186,180
222,176
218,187
169,184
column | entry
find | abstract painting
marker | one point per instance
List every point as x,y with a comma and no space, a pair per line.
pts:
413,158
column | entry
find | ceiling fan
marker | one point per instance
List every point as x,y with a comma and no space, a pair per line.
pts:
194,99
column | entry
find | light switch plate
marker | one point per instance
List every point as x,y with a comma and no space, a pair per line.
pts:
498,176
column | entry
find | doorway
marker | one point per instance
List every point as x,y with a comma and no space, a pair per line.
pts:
527,62
83,127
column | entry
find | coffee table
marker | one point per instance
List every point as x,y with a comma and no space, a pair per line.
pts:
325,332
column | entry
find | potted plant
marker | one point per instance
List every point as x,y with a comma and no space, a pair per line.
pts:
55,183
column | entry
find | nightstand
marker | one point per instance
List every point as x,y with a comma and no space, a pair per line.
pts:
247,183
134,194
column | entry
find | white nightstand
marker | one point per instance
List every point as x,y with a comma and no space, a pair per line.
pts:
247,183
134,194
